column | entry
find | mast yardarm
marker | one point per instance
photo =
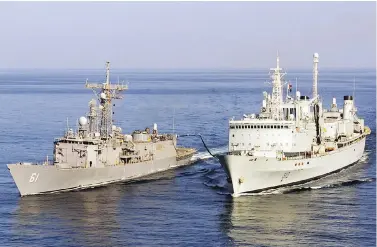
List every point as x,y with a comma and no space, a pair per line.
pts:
105,93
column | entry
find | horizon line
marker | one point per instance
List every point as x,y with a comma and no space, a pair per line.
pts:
193,68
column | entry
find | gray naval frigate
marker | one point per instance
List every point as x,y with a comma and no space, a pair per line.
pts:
292,141
97,153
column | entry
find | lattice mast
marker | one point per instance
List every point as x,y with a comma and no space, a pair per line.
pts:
277,91
315,74
105,93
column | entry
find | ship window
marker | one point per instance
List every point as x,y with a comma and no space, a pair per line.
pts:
285,127
232,126
251,126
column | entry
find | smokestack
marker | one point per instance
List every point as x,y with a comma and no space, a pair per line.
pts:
315,74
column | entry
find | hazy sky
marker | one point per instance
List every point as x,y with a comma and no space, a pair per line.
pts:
186,34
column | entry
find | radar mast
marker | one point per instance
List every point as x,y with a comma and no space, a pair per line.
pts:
105,93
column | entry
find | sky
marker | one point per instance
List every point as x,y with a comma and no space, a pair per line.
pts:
186,35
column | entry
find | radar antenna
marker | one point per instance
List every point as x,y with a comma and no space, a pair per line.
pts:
105,93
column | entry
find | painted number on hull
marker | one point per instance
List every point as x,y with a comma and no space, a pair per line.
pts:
34,177
285,176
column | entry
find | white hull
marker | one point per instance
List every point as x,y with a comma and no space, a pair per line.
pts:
37,179
250,175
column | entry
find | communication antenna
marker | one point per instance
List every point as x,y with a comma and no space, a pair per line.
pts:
105,93
354,83
173,120
315,74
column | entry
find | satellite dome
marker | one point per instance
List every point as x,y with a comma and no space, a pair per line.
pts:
315,55
103,96
83,121
114,127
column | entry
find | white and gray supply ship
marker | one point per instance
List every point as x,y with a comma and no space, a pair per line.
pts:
97,153
292,141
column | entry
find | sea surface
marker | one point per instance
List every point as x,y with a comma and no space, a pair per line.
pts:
189,206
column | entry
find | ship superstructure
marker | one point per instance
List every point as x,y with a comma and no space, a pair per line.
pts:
292,140
98,153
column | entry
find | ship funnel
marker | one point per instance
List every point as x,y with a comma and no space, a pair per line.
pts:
315,74
348,107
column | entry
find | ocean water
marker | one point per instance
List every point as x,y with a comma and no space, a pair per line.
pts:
189,206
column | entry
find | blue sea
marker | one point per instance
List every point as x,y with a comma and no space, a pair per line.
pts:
189,206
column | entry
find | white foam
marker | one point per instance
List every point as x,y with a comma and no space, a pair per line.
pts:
205,155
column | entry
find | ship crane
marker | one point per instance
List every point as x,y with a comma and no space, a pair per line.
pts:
105,93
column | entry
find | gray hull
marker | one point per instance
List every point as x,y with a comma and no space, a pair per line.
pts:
37,179
250,174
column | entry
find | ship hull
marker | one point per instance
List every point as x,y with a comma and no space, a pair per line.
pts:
38,179
255,174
